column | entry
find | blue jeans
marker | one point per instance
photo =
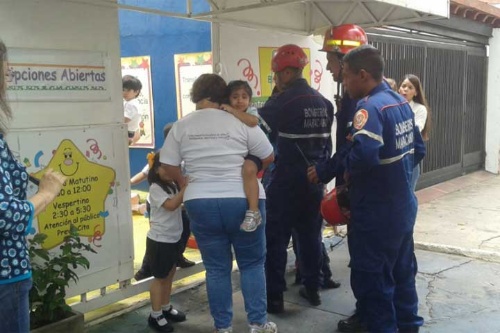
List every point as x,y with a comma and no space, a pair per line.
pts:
14,307
414,177
216,226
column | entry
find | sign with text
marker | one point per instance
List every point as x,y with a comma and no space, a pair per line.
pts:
56,75
140,67
95,196
188,67
81,201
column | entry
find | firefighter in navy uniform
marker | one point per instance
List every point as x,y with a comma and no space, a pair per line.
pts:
300,120
337,42
386,145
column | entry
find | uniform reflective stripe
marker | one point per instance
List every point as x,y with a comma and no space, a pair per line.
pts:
266,126
397,158
303,136
340,42
370,134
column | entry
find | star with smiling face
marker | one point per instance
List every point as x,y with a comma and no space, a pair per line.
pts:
82,199
68,167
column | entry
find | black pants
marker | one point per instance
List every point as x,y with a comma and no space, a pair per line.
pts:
305,221
186,232
325,273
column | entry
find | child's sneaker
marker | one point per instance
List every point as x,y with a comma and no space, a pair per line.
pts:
252,221
160,324
174,315
268,327
224,330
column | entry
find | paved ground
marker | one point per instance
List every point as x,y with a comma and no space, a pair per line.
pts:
458,293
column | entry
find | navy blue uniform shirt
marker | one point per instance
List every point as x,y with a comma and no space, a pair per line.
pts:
300,119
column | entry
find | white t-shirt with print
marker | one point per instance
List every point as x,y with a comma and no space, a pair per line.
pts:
165,225
213,145
131,111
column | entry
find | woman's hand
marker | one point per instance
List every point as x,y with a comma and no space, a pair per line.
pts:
51,183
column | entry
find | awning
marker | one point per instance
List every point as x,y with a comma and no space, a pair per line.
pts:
311,16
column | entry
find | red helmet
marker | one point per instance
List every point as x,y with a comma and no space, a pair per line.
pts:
289,55
333,208
344,38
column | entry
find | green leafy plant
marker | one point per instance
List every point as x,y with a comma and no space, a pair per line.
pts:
52,273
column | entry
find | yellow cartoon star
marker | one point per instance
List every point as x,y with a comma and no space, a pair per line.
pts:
81,201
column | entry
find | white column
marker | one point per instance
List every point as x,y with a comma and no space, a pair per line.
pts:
493,105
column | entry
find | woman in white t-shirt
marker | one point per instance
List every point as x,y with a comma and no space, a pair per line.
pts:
213,145
411,90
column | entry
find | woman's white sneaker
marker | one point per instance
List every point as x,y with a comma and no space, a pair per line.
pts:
268,327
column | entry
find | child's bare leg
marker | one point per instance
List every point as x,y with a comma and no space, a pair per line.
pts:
157,319
250,185
156,291
168,311
167,287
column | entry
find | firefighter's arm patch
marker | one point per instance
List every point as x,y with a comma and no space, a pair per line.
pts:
360,119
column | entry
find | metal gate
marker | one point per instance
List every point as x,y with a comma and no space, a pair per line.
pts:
454,80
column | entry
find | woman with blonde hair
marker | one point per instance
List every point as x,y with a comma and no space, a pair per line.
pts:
411,89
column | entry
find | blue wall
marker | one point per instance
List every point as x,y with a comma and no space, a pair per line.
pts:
160,37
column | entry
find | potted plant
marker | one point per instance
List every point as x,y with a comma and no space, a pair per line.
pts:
52,273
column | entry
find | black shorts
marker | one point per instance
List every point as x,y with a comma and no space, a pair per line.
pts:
161,257
131,134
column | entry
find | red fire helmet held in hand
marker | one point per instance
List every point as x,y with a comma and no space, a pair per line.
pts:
332,211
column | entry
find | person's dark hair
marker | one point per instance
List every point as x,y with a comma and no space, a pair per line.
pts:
4,106
167,129
210,86
130,82
368,58
421,99
154,178
237,85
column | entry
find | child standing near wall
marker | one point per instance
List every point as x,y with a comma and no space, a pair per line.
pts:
240,95
131,90
144,272
163,244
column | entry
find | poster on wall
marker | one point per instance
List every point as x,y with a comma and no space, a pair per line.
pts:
266,86
82,200
249,59
56,75
92,197
188,67
140,67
